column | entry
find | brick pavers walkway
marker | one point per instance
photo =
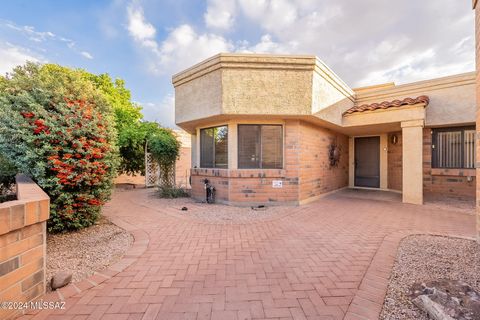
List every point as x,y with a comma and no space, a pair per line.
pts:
326,260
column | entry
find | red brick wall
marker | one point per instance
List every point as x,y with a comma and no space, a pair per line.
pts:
443,182
254,186
22,245
316,174
436,182
395,162
306,172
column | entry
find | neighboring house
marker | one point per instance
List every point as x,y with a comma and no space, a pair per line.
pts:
282,129
182,166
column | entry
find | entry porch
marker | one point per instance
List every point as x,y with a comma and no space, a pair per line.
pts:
386,147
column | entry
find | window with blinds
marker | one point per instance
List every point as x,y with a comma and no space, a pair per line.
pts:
214,147
260,146
453,148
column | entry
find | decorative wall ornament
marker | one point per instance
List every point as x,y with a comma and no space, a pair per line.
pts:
394,139
334,152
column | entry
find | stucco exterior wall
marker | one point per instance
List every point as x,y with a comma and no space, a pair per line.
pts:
239,84
265,91
452,99
199,98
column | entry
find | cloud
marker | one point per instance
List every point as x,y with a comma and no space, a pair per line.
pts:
365,48
138,27
267,45
184,47
86,55
162,112
30,32
42,39
12,56
387,43
220,14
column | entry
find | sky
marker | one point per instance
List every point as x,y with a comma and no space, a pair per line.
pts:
145,42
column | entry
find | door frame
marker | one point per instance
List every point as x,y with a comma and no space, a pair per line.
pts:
383,160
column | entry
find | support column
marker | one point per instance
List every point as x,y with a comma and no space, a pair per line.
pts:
194,151
412,159
232,146
384,161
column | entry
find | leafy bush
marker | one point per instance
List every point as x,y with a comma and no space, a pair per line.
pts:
172,192
56,126
7,180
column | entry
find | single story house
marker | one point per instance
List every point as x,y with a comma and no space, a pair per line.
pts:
278,129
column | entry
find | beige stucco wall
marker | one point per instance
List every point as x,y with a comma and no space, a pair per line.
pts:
452,99
239,84
266,91
412,159
199,98
331,96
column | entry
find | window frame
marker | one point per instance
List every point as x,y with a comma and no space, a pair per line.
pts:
434,143
261,144
213,149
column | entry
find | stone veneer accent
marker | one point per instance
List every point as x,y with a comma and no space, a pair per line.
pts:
23,245
306,172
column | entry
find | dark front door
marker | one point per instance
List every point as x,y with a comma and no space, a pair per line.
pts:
367,162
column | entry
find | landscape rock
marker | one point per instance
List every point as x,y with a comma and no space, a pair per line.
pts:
447,299
61,279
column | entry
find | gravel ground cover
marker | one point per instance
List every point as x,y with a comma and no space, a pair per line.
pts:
86,251
423,258
213,213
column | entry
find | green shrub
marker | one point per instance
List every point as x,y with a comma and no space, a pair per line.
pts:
7,180
57,127
173,192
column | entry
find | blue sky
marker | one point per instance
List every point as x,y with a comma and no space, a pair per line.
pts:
144,42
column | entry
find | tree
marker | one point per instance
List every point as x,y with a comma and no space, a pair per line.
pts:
128,116
56,126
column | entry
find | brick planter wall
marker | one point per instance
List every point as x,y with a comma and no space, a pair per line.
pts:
23,245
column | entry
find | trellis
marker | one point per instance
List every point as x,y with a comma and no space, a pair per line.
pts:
153,173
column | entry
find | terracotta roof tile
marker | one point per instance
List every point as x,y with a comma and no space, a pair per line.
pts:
388,104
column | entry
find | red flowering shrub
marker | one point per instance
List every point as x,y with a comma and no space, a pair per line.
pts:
58,128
